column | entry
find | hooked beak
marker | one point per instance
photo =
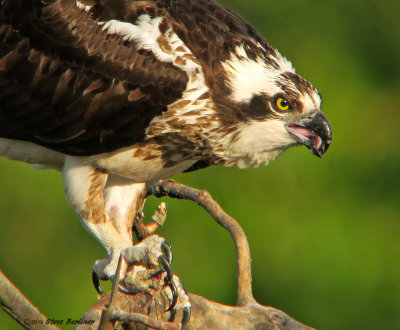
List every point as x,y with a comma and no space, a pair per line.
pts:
315,133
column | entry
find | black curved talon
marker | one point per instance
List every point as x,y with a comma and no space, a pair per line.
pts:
167,250
167,267
172,316
187,312
168,278
174,296
96,283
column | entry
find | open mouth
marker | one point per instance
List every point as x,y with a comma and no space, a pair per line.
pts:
309,138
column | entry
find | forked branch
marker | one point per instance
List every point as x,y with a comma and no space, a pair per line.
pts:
204,199
206,314
141,310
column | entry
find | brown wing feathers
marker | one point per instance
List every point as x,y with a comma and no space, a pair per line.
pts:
72,87
69,86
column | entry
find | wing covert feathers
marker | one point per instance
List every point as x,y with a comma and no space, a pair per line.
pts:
69,85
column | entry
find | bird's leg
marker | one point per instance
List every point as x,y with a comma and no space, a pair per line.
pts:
156,282
84,187
107,205
152,251
124,200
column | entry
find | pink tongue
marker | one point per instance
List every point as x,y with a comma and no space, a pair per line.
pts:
301,130
308,133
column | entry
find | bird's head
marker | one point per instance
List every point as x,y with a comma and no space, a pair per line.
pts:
276,109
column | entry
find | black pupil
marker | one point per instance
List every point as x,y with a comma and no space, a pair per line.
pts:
284,103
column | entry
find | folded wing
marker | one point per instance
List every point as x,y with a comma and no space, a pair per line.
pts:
71,80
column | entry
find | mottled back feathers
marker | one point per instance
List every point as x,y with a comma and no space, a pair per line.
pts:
74,80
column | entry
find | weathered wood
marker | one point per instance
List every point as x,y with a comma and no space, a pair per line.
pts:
14,303
206,314
147,308
203,198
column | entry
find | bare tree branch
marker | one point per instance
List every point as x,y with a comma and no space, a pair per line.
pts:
206,314
147,308
248,314
203,198
14,303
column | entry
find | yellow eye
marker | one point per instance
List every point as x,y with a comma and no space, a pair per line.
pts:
282,104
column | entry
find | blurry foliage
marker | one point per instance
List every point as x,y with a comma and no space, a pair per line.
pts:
324,233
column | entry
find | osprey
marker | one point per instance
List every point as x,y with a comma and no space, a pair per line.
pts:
118,94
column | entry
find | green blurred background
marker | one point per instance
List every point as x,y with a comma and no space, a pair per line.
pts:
324,234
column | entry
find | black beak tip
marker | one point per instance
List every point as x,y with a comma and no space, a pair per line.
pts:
327,145
318,152
321,151
319,136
